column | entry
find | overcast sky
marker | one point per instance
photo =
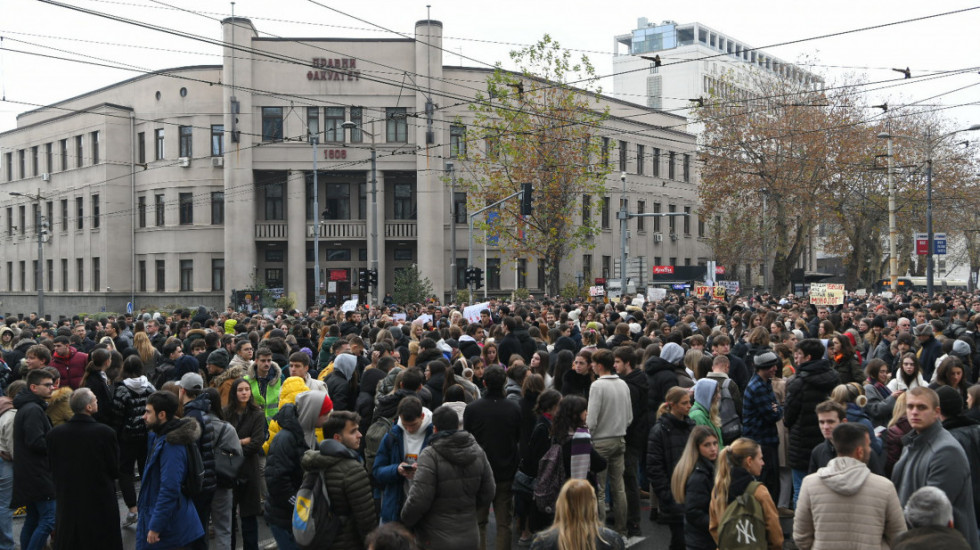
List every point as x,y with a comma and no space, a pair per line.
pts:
488,30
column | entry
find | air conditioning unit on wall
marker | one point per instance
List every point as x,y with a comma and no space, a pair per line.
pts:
184,162
658,237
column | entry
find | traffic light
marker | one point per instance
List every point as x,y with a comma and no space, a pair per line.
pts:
373,277
527,196
478,277
362,279
44,229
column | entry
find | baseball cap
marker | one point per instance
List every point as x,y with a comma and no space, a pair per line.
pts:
191,381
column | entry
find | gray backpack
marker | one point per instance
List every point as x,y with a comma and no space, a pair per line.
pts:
731,424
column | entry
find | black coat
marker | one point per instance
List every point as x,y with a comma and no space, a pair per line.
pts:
812,384
528,345
103,395
32,474
495,422
739,372
251,424
537,445
283,472
84,461
469,348
639,428
666,443
966,431
509,345
199,409
660,378
825,452
697,499
573,383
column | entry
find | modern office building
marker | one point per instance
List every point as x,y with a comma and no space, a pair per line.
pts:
182,185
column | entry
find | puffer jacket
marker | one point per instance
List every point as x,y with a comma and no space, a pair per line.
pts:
59,410
71,368
844,505
349,490
292,387
453,481
665,445
697,501
391,453
199,409
639,428
849,371
128,405
33,481
966,431
812,384
282,476
660,378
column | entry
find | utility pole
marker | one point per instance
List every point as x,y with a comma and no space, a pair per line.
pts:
452,224
316,213
624,217
41,234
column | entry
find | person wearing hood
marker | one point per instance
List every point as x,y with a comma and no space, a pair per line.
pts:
222,374
58,411
265,378
396,462
33,483
453,480
342,382
844,504
966,431
470,344
345,479
283,468
704,412
6,338
128,405
929,348
662,374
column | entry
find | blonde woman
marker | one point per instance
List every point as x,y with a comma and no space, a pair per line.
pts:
576,525
148,354
691,484
704,412
738,466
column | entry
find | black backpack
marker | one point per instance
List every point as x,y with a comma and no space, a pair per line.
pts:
193,484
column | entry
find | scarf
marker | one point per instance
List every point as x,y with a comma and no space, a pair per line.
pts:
580,457
882,390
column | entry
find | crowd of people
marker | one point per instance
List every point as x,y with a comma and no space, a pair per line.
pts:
857,425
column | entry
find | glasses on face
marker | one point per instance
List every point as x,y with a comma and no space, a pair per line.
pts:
46,384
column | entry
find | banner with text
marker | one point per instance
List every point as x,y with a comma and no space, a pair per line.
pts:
826,294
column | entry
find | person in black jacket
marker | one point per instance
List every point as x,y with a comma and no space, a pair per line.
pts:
624,360
691,485
128,405
495,422
33,483
197,405
469,343
966,431
665,445
342,382
510,344
815,379
538,443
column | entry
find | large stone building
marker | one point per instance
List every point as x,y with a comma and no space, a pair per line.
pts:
180,186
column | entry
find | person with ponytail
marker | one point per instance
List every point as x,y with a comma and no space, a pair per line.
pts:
576,525
691,484
95,379
851,395
665,446
738,466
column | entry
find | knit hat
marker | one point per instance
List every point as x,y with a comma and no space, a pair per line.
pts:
219,358
765,360
924,329
327,405
960,349
672,353
950,401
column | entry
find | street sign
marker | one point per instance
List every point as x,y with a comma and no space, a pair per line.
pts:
719,270
939,243
921,244
129,308
663,269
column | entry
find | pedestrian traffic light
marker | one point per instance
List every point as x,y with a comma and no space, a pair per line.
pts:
373,277
478,277
527,192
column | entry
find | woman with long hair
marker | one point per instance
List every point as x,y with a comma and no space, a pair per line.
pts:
249,421
898,427
490,355
705,411
95,379
950,373
691,484
739,465
568,429
845,362
578,380
665,446
973,402
540,440
539,365
577,525
909,374
150,356
880,398
563,364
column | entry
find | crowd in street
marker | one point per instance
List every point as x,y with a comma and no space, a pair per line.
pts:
857,424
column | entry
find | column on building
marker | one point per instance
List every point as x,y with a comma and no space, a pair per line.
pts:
296,229
380,227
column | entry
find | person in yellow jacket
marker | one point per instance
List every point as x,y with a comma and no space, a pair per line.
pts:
292,387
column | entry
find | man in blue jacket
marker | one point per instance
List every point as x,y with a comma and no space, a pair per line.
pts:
167,518
396,462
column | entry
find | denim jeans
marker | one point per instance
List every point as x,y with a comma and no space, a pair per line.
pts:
613,449
6,514
284,537
798,476
37,525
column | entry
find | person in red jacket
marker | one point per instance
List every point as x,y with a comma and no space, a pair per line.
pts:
69,362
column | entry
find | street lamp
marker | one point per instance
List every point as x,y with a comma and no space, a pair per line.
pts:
39,270
350,125
929,142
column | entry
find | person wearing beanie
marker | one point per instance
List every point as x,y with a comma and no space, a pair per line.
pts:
761,413
929,348
964,430
222,374
962,351
704,412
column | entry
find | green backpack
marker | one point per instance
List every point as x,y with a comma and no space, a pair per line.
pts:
743,525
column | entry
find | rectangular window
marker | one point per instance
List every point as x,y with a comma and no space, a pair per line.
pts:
141,210
656,162
273,202
493,273
700,226
459,208
218,274
10,221
95,147
217,208
362,201
641,207
217,140
586,209
35,161
23,219
49,157
339,255
34,274
605,151
461,265
605,212
687,261
671,168
158,141
403,253
64,275
79,213
273,278
673,260
49,214
338,202
158,209
64,154
640,159
186,208
22,161
141,148
64,214
672,220
275,255
522,273
96,275
357,117
687,168
8,161
404,201
622,156
333,124
186,275
142,275
271,123
656,219
23,276
95,212
161,275
50,275
687,220
80,274
186,143
313,124
457,141
606,261
10,276
396,125
79,152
